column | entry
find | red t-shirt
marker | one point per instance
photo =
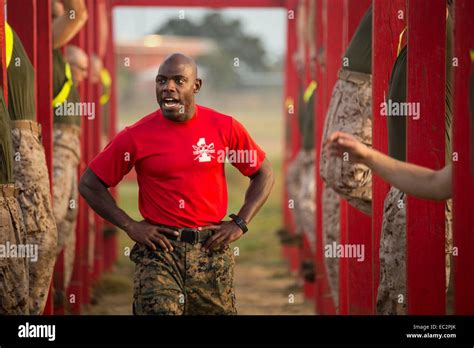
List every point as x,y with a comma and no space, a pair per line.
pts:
180,166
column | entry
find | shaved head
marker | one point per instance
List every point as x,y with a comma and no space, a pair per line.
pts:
79,62
177,59
176,86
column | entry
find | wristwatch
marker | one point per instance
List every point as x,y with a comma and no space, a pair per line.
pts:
240,222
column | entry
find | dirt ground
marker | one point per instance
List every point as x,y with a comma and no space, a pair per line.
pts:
260,290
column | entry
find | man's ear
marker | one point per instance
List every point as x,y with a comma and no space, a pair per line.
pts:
197,85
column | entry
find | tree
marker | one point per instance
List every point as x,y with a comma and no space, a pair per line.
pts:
232,43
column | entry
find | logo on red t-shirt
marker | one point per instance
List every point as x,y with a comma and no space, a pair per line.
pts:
203,151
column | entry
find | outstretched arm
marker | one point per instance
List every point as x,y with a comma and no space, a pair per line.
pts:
412,179
68,24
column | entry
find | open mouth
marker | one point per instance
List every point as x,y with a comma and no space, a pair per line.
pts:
170,103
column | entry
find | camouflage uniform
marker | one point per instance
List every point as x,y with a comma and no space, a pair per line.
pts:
331,233
393,253
350,111
184,281
66,154
13,270
31,175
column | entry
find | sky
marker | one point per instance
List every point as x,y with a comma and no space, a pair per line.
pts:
267,23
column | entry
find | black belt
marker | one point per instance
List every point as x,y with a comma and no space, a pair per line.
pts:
190,235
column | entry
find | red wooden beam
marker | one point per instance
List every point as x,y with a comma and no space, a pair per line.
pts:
305,250
110,63
359,225
463,177
88,136
343,262
199,3
22,17
320,113
426,147
329,39
76,286
3,70
98,265
319,95
291,123
389,18
44,93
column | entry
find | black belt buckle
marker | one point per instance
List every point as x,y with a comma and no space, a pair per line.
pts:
189,235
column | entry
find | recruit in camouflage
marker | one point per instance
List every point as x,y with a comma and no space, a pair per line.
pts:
31,176
391,297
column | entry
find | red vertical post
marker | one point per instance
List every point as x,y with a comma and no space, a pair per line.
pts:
359,225
291,122
22,17
76,286
87,154
329,38
44,92
320,97
110,62
3,72
98,263
343,263
321,107
463,176
389,19
305,251
426,147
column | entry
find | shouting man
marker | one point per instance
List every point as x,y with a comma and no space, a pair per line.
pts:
183,261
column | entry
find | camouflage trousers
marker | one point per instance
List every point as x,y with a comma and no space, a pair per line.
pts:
14,291
185,281
302,190
31,176
391,296
350,111
66,155
331,234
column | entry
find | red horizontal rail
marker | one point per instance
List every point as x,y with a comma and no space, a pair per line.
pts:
200,3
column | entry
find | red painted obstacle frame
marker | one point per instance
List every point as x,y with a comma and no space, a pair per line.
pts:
335,25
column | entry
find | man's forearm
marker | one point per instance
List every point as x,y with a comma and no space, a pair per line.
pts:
256,195
102,202
410,178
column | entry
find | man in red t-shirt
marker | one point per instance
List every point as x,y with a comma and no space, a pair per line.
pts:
183,261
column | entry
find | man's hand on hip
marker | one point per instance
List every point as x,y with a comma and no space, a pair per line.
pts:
150,235
226,233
